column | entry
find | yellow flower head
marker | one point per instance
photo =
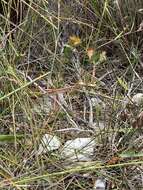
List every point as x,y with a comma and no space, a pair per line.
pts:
74,40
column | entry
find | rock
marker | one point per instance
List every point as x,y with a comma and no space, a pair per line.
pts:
100,184
79,149
48,143
138,99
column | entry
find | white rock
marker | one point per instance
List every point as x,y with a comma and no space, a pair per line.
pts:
79,149
100,184
48,143
138,99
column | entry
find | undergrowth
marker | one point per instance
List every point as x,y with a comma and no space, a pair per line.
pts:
56,59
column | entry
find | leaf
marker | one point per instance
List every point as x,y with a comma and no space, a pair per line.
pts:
122,83
95,58
10,138
131,154
67,51
74,40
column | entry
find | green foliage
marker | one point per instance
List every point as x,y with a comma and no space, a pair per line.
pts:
10,138
123,83
33,61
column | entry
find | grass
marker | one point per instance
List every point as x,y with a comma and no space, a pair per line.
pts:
49,84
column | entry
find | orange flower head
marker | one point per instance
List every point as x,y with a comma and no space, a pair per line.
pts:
90,52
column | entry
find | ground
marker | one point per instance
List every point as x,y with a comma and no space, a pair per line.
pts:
71,69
